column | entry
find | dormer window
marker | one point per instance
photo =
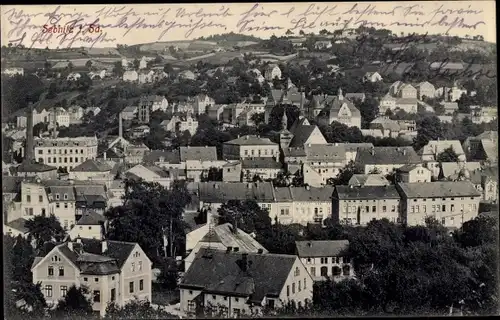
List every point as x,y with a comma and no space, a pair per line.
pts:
65,196
57,196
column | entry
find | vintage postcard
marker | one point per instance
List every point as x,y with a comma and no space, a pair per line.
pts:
246,160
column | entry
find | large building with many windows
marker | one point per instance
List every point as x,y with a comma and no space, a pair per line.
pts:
113,271
65,153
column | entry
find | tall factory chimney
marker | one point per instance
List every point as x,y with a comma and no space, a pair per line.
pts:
120,125
29,134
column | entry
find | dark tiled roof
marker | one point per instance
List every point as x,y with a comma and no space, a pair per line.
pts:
321,248
312,193
91,218
301,134
371,179
167,156
198,153
91,165
325,152
260,163
34,167
251,140
387,155
224,234
266,274
438,189
219,192
365,192
18,224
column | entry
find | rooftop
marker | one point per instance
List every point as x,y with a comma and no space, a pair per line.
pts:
250,140
366,192
321,248
387,155
439,189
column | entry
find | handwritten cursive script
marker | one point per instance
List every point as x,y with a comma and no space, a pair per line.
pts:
172,22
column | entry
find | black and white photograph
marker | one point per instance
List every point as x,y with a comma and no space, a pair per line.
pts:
250,160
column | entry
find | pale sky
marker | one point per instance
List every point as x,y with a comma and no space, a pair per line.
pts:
144,23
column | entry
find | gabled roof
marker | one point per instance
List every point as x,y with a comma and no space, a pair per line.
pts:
312,194
321,248
91,165
250,140
90,259
325,152
435,147
91,218
366,192
18,224
167,156
265,274
220,192
368,179
301,134
225,234
26,166
439,189
387,155
260,163
198,153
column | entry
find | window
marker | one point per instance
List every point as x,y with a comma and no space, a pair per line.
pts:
293,288
324,260
85,279
96,279
51,270
57,205
65,205
346,270
65,196
337,259
443,220
367,209
113,294
131,287
61,271
297,271
444,208
324,271
393,208
424,208
313,271
40,198
347,260
336,271
64,290
57,196
417,209
412,209
305,283
113,278
191,305
28,198
384,209
133,266
97,296
433,208
237,312
141,285
236,299
48,291
287,291
452,208
300,285
140,265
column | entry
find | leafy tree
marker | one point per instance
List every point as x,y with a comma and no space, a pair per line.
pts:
137,309
70,66
258,118
44,229
39,128
345,174
118,69
247,215
18,91
149,212
136,63
292,114
448,155
339,132
169,275
428,128
369,110
75,305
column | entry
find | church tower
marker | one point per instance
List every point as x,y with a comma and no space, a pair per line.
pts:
285,135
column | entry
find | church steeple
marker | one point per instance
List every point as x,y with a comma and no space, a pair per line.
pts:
341,97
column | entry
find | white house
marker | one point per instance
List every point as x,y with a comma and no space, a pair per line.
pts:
372,77
130,76
272,71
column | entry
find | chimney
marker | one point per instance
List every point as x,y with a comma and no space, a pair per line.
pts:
244,261
120,125
404,152
260,251
29,134
104,246
79,240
